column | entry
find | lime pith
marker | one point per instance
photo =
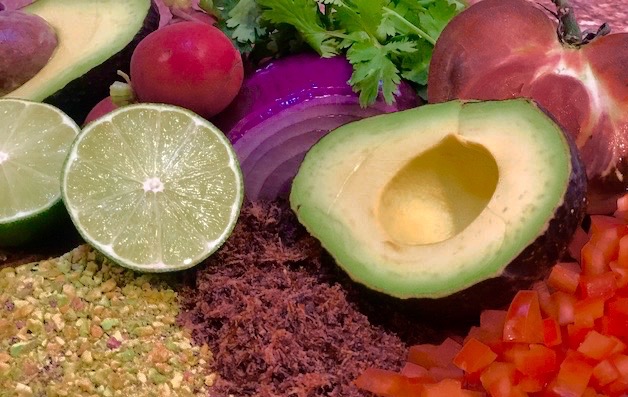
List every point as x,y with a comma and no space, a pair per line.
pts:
154,187
34,141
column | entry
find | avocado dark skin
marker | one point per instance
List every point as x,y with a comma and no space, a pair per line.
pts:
79,96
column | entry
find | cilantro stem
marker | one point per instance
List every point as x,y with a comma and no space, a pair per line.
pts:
410,25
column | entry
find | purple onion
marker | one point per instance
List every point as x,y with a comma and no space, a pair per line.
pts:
284,108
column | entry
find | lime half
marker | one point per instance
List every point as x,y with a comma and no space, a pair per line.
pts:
154,187
34,141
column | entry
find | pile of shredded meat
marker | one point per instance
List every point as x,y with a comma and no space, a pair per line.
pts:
282,320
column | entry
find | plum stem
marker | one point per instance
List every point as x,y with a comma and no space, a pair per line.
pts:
569,31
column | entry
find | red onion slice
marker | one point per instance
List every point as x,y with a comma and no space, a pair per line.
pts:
286,107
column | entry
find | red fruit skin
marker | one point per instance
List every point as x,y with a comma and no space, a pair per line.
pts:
102,108
189,64
500,49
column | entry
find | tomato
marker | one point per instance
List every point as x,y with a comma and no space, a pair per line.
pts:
448,388
536,361
523,321
428,355
564,277
576,346
499,380
622,252
564,306
388,383
573,376
593,261
190,64
588,310
605,372
597,346
599,285
474,356
552,335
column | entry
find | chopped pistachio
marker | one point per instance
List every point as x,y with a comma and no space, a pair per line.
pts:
109,323
80,325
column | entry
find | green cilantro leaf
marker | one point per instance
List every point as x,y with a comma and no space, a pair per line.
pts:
384,40
244,20
304,15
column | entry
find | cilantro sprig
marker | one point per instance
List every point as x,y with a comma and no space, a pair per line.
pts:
384,40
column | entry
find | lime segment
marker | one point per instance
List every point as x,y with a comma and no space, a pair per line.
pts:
154,187
34,141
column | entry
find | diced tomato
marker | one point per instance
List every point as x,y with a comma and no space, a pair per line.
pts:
523,320
564,304
573,376
586,311
474,356
551,332
620,346
620,273
605,372
576,334
622,252
620,361
616,319
498,379
448,388
548,307
607,241
530,384
412,370
620,385
600,223
491,329
388,383
449,372
597,346
578,241
592,260
598,286
537,360
617,388
567,337
428,355
564,277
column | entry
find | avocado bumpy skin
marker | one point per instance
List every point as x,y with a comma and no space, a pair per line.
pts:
525,228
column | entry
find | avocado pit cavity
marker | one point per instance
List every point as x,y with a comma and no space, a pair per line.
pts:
438,193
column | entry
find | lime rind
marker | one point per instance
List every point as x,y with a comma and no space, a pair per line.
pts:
154,187
34,140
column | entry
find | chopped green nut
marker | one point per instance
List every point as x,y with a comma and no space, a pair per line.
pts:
109,323
80,325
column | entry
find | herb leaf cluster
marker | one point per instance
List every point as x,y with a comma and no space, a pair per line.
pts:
385,40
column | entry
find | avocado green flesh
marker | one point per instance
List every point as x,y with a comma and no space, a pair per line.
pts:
429,201
89,32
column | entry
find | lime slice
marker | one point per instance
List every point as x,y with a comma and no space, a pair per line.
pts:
154,187
34,141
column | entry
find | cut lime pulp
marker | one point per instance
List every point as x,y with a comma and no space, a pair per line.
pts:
34,141
154,187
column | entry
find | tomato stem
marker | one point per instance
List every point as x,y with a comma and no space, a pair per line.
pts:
569,31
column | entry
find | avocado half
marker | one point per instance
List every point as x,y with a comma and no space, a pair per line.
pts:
464,202
96,38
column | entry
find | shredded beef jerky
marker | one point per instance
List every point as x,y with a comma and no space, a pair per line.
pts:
275,318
